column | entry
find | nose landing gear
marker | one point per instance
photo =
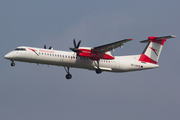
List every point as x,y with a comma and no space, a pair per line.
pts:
68,76
12,63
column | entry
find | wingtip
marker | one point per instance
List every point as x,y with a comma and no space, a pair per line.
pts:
144,41
173,36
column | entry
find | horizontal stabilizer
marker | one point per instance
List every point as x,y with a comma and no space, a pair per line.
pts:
157,38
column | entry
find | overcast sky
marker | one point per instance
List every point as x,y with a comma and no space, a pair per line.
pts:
32,92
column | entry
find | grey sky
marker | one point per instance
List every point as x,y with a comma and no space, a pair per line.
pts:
32,92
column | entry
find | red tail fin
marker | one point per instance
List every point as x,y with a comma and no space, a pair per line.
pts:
153,49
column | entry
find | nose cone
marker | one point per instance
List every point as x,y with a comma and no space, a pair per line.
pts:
8,56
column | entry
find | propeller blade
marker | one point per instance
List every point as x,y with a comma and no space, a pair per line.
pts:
71,49
44,46
75,50
78,44
74,41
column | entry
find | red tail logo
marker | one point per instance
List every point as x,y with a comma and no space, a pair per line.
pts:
155,51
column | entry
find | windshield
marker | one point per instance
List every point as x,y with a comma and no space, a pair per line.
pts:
20,49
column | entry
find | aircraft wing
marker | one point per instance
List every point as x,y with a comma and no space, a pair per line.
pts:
110,46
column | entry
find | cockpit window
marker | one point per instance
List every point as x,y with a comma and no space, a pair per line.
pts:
17,49
20,49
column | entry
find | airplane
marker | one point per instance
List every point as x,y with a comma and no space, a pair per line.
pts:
97,58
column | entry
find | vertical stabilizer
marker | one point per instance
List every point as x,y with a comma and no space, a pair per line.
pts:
153,49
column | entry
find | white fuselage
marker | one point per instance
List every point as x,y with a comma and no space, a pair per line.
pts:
70,59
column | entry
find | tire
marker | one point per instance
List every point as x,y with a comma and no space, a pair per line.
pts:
68,76
12,64
98,71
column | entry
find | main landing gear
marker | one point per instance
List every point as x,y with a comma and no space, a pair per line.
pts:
68,76
98,70
12,63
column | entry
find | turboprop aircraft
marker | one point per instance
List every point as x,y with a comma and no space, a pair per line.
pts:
96,58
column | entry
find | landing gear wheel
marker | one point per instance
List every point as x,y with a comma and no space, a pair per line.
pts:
12,64
68,76
98,71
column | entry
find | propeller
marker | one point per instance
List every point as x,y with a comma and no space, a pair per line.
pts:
76,46
49,47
